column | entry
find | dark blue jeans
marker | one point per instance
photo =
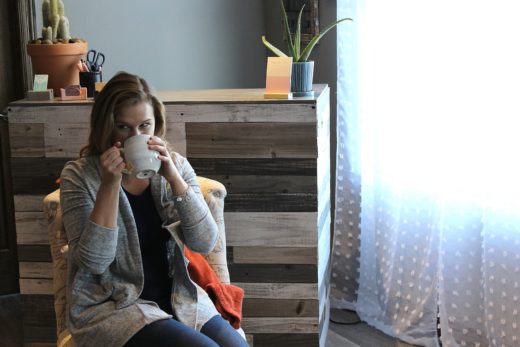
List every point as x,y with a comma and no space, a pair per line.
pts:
172,333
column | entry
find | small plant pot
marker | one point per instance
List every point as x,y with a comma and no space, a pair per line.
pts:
58,61
301,79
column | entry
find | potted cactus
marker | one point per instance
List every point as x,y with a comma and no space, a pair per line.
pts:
55,53
302,68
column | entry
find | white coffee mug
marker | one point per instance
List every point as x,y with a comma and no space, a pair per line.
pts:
141,162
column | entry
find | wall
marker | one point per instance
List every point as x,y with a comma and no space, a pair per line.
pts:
175,44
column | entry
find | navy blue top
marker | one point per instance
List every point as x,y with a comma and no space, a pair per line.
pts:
152,239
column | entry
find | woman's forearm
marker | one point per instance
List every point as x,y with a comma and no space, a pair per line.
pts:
106,206
178,186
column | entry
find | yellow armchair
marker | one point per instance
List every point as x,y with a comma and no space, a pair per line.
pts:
214,193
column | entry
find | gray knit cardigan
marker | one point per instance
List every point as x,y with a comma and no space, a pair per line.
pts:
105,272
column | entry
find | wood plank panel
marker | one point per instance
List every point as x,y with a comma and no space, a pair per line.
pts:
51,111
273,273
38,253
254,166
31,228
279,308
243,113
286,340
271,202
279,290
236,184
251,140
306,325
35,269
39,334
38,310
66,139
279,229
274,255
36,176
27,139
28,203
36,286
176,136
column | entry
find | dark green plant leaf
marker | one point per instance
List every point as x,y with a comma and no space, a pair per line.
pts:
297,35
288,36
307,51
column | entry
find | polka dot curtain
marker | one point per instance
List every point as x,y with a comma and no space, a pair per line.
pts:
427,223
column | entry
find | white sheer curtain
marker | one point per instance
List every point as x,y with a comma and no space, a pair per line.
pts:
428,147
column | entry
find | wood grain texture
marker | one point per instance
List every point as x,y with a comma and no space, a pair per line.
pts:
279,229
292,325
38,253
274,255
254,166
36,286
279,308
176,136
251,140
236,184
271,202
27,139
286,340
35,270
38,309
279,290
28,203
36,176
273,273
243,113
31,228
65,140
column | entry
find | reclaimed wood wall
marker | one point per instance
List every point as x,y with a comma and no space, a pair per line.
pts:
273,158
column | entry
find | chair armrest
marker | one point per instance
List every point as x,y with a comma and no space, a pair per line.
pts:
58,244
214,193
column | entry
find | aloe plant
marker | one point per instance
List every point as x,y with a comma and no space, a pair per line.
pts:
294,44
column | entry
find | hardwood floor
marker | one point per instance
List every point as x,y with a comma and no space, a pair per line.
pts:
358,334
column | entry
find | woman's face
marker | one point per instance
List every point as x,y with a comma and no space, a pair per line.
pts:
133,120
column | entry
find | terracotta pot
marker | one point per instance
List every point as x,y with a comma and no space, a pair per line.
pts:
58,61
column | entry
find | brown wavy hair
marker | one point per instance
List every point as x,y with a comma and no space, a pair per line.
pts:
124,89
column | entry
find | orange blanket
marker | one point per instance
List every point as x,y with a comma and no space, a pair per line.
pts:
226,297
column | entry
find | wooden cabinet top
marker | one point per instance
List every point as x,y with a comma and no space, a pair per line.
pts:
209,96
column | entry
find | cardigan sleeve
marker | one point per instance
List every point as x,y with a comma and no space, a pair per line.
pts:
199,229
91,246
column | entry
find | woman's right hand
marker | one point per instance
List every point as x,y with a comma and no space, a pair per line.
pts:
112,165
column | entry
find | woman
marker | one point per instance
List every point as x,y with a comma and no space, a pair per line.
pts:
127,278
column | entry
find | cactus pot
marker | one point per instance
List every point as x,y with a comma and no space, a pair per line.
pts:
58,61
301,80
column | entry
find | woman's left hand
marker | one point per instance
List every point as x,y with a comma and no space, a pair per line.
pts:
168,169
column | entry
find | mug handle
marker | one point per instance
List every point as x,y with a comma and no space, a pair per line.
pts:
125,170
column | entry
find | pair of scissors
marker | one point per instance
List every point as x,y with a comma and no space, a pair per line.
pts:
95,60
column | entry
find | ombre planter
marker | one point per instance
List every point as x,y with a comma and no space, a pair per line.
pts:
301,79
58,61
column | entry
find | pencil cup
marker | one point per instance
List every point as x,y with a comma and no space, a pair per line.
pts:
88,80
